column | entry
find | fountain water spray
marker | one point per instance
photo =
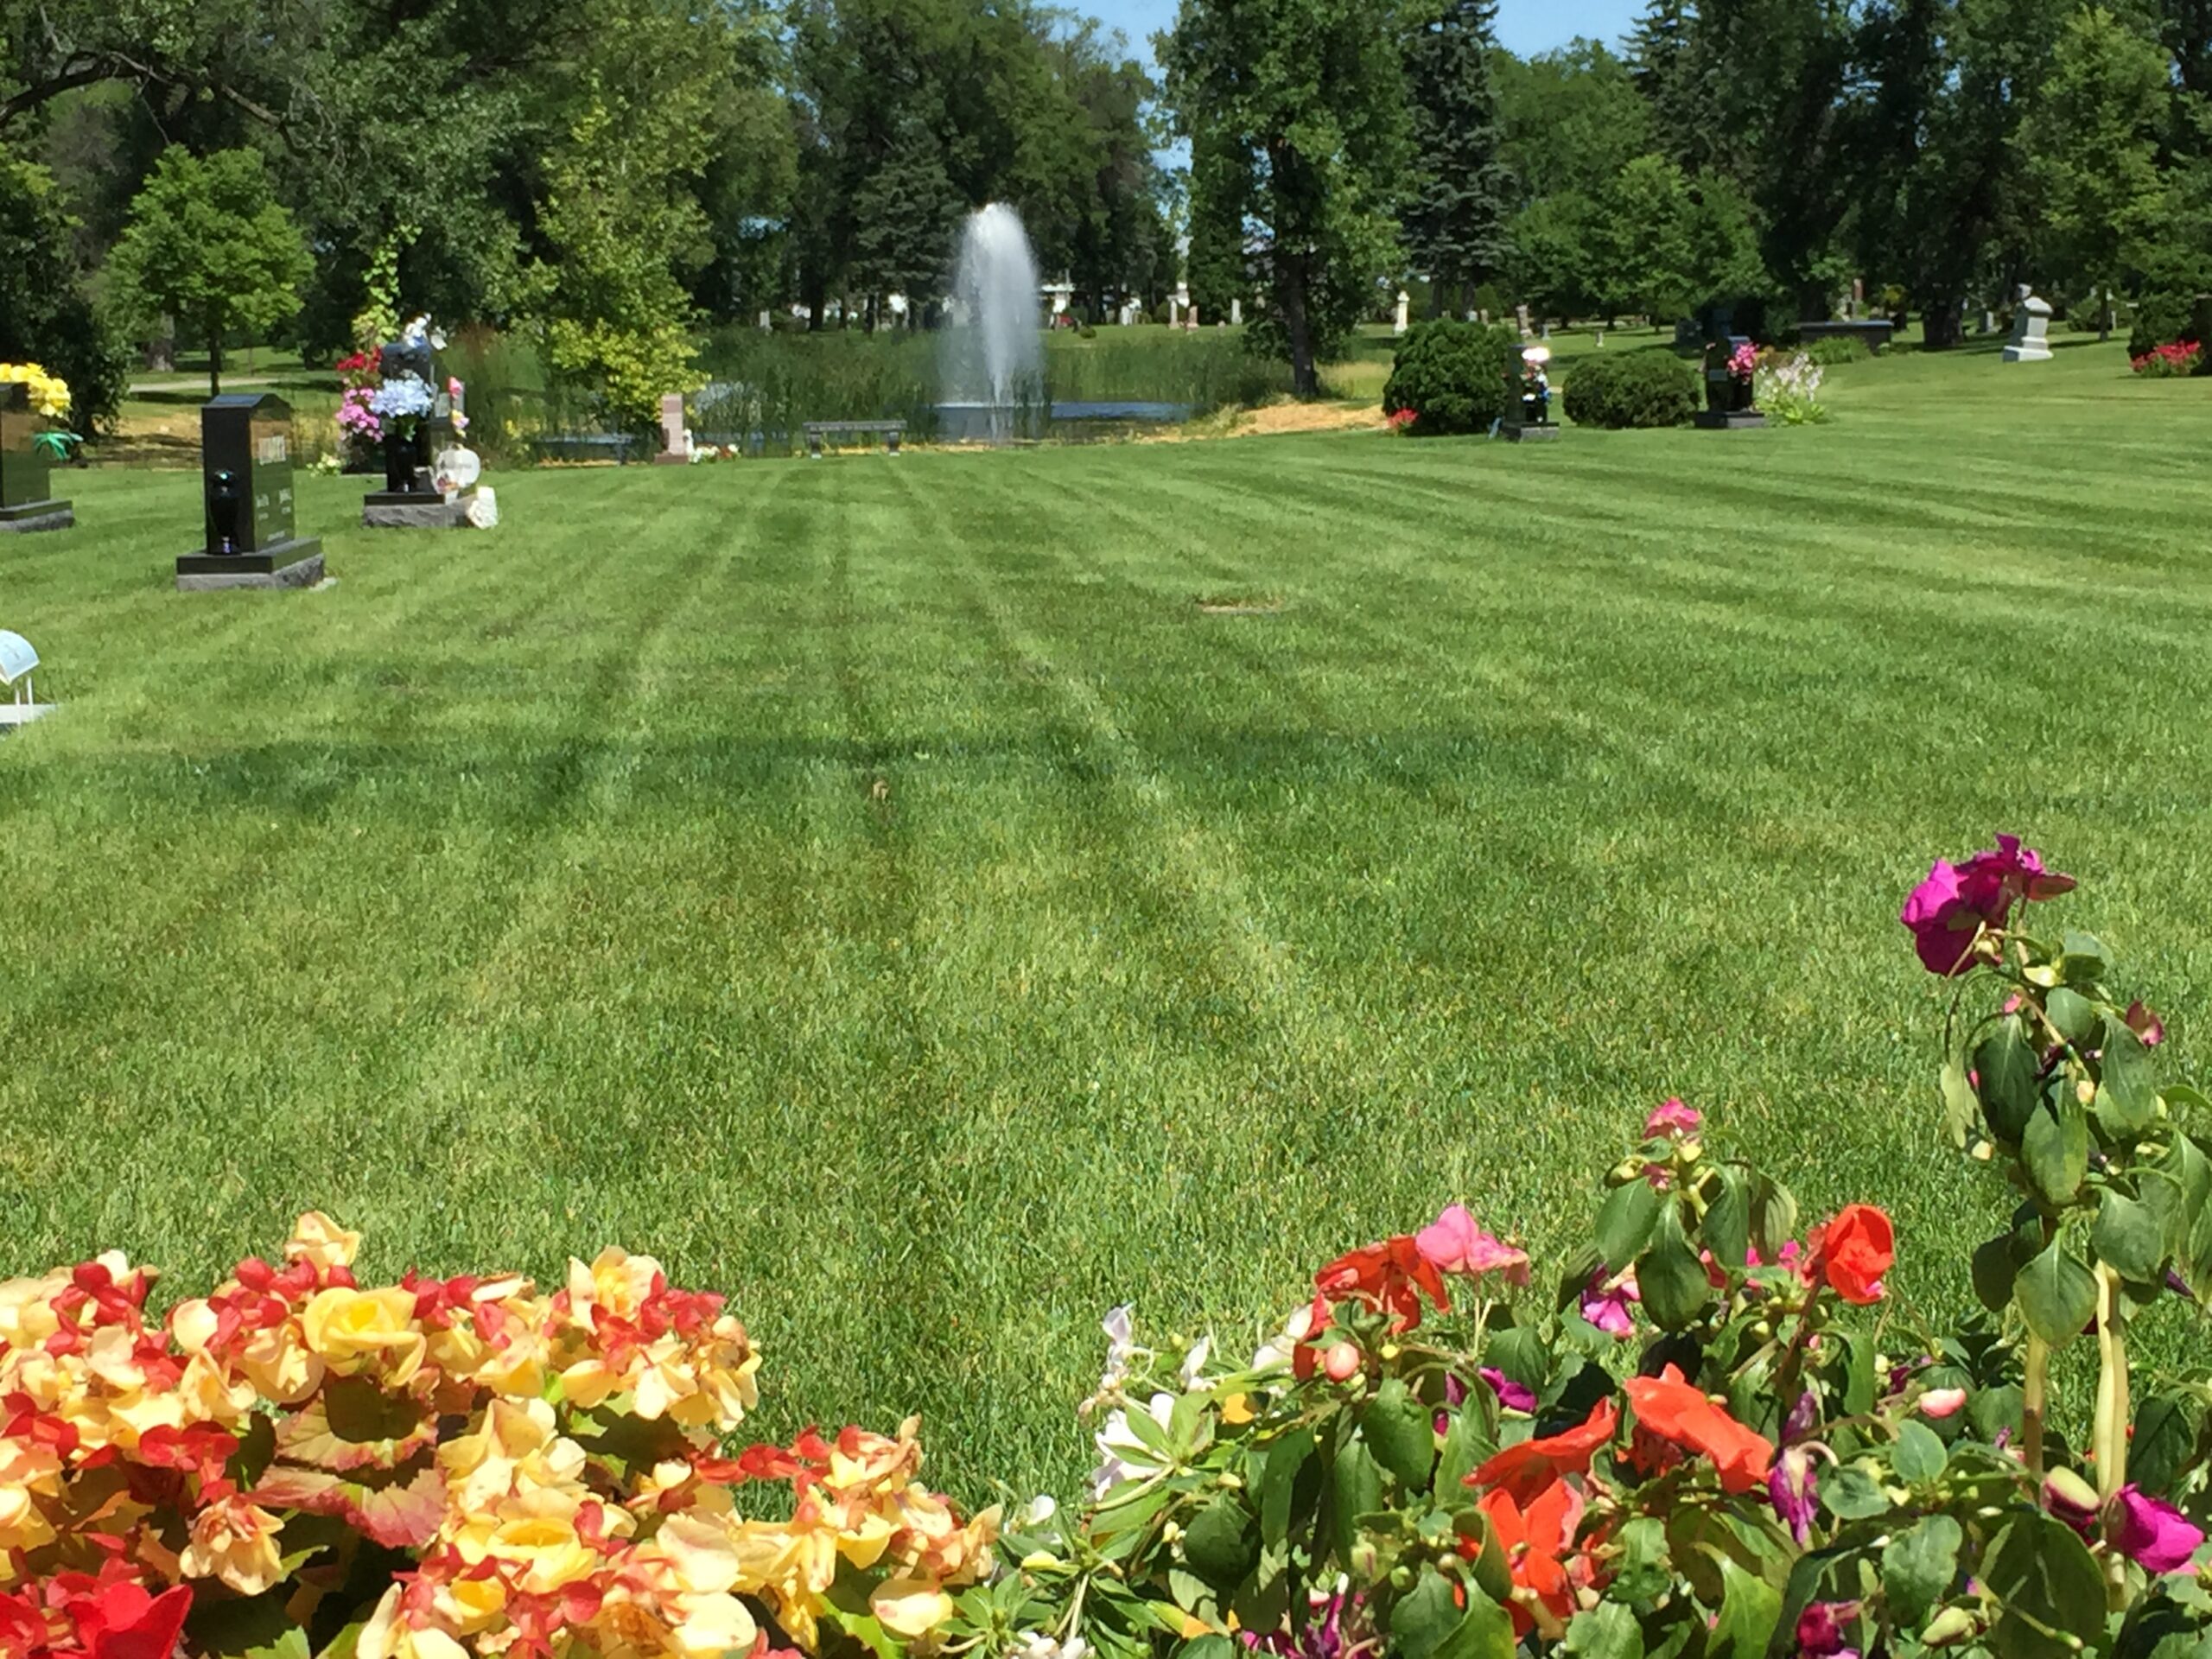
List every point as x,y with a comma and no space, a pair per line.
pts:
993,368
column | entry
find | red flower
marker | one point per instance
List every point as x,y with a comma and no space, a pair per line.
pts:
1523,1472
1853,1251
1388,1277
1533,1539
1670,1408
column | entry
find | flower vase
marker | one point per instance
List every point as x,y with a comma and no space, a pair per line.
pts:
399,462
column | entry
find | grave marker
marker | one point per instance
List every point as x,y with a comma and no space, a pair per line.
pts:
245,457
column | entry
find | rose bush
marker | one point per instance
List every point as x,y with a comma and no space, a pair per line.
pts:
1707,1435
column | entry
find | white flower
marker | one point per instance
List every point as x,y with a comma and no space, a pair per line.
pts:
1122,1456
1276,1350
1120,1327
1194,1364
1035,1512
1035,1644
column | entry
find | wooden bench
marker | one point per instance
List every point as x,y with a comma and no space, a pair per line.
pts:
817,431
617,446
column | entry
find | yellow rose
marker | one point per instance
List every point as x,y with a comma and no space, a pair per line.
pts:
235,1540
356,1330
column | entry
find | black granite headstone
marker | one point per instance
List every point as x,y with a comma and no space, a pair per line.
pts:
1728,405
245,456
26,469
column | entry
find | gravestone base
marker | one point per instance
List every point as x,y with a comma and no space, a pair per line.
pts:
22,714
1729,420
382,510
287,564
1546,433
27,515
2027,352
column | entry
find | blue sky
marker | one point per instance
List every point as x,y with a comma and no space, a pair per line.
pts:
1524,25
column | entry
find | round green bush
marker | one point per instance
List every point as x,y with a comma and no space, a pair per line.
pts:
1452,376
1626,388
2160,319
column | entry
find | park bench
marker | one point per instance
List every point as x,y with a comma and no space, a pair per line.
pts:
616,446
817,431
1875,331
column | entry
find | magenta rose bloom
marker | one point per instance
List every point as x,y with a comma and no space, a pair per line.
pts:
1946,911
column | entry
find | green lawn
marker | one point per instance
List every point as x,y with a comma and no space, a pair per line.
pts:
878,888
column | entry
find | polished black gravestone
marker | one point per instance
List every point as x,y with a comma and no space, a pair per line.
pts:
26,470
245,454
1728,406
1527,408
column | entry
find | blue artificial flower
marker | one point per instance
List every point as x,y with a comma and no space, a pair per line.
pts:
403,400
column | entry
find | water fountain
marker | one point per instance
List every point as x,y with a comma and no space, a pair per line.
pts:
993,357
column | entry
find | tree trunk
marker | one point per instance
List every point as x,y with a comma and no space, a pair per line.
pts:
214,363
1941,326
1304,380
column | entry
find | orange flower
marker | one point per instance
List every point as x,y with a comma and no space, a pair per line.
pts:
1388,1277
1523,1472
1534,1539
1853,1251
1669,1408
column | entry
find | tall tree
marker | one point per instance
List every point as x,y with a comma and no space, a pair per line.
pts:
1573,119
2089,143
1456,213
209,244
1667,70
1312,94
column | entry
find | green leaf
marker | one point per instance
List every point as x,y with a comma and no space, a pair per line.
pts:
1401,1432
1726,1229
1425,1616
1992,1411
1994,1270
2007,1066
1774,1216
1209,1646
2127,1097
2074,1016
253,1627
1918,1456
1355,1490
1608,1630
1466,1445
2083,959
1919,1567
2057,1295
1672,1279
1625,1221
1218,1543
1851,1494
1485,1633
2128,1238
2161,1195
2049,1587
2055,1149
2164,1445
1286,1459
1642,1574
1961,1110
1749,1609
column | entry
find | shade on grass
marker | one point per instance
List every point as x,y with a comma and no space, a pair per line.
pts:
880,890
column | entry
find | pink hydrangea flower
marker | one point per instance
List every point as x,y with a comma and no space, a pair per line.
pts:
1956,901
1673,1118
1454,1243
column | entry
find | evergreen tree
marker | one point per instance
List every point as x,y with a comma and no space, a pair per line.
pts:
1666,70
1455,217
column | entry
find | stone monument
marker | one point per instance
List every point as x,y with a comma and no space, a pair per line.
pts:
674,440
418,413
1237,313
2031,328
26,501
245,457
1399,318
1728,385
1528,399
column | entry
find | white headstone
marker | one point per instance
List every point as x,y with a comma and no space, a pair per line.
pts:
767,322
674,441
1174,312
1191,319
1521,316
2030,329
1398,321
1236,311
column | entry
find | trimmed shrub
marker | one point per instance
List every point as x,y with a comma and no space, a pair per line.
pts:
2160,319
1631,389
1452,376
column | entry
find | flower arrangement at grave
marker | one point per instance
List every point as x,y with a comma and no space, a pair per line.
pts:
1787,388
48,393
360,432
2171,361
1706,1433
1744,362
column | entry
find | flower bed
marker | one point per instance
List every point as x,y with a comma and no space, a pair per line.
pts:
1704,1437
2171,361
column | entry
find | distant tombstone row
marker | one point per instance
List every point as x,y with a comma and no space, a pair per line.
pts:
27,501
246,459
